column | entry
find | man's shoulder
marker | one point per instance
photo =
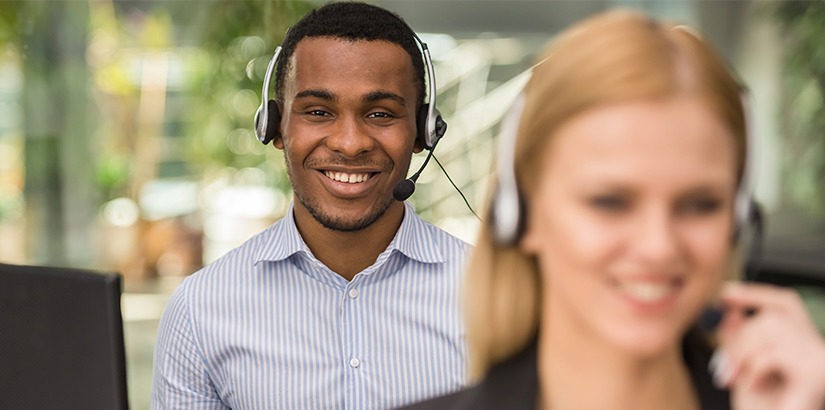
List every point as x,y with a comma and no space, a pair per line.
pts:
240,259
445,240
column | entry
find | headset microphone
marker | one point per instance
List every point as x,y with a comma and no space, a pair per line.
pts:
405,188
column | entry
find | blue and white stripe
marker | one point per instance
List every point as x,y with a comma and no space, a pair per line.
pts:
268,326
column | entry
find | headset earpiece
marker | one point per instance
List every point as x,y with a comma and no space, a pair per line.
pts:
270,130
742,217
440,126
429,132
507,215
273,126
268,119
507,210
421,127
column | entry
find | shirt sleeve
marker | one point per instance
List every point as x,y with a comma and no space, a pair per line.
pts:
180,379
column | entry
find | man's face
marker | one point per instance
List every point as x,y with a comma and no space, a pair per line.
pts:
348,128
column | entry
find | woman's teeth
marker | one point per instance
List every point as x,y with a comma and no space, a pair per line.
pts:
649,292
345,177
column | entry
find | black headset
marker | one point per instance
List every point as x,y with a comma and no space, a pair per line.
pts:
508,210
429,123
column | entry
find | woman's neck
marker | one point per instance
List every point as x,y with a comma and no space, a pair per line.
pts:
577,370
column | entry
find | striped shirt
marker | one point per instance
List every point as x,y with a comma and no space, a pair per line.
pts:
268,326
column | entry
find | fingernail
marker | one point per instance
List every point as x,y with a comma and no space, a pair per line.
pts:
719,367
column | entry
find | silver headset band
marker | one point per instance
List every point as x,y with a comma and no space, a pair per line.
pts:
506,208
262,115
432,136
744,199
262,122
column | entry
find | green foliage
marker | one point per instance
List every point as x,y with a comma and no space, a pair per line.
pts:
112,174
236,43
804,25
9,22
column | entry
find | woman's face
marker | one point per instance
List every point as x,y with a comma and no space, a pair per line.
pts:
631,221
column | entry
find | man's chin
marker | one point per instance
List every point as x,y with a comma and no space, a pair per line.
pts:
349,221
346,224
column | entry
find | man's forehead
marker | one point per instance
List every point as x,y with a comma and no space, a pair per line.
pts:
326,42
330,57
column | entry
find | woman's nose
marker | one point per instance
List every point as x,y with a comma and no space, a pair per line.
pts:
656,238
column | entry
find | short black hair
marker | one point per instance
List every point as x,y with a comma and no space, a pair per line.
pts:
353,21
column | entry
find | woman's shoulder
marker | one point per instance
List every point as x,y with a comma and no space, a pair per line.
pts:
462,399
697,351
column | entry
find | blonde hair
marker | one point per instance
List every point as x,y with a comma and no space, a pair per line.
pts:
614,56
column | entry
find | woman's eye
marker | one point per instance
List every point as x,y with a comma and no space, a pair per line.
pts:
700,206
609,203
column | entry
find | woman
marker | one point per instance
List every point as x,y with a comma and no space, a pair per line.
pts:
629,156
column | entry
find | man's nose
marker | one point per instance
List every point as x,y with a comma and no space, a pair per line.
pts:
350,137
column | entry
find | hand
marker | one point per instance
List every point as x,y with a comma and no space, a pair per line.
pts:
771,356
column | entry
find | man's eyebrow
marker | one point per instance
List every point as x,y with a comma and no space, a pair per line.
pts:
322,94
384,95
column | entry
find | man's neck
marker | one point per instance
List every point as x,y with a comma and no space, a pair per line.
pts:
347,253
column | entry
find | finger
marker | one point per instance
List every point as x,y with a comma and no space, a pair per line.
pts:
743,296
762,372
753,338
771,356
732,321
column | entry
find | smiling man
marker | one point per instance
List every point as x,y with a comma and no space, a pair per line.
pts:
351,300
348,132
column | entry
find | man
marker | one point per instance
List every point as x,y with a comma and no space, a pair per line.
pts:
351,300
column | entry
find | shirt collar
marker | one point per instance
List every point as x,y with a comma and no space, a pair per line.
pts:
416,238
282,240
413,239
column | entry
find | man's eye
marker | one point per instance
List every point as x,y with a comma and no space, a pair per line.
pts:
380,115
609,203
319,113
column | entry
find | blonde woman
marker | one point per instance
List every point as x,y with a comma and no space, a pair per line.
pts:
628,159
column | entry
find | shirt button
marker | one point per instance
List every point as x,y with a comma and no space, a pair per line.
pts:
354,363
353,293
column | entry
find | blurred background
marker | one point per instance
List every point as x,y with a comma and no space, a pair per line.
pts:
126,139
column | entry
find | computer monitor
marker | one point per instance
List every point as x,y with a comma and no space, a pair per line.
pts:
61,339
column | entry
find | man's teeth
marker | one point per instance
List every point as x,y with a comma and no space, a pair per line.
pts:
648,292
345,177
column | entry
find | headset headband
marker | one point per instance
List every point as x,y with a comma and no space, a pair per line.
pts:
431,125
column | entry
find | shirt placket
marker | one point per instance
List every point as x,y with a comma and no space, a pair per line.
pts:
352,360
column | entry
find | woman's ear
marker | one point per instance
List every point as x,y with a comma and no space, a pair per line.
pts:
529,242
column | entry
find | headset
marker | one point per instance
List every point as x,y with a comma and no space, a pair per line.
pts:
508,211
430,126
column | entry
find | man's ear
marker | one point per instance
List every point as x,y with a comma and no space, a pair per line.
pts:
274,126
418,146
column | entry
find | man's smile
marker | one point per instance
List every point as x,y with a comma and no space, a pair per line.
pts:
349,182
352,178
